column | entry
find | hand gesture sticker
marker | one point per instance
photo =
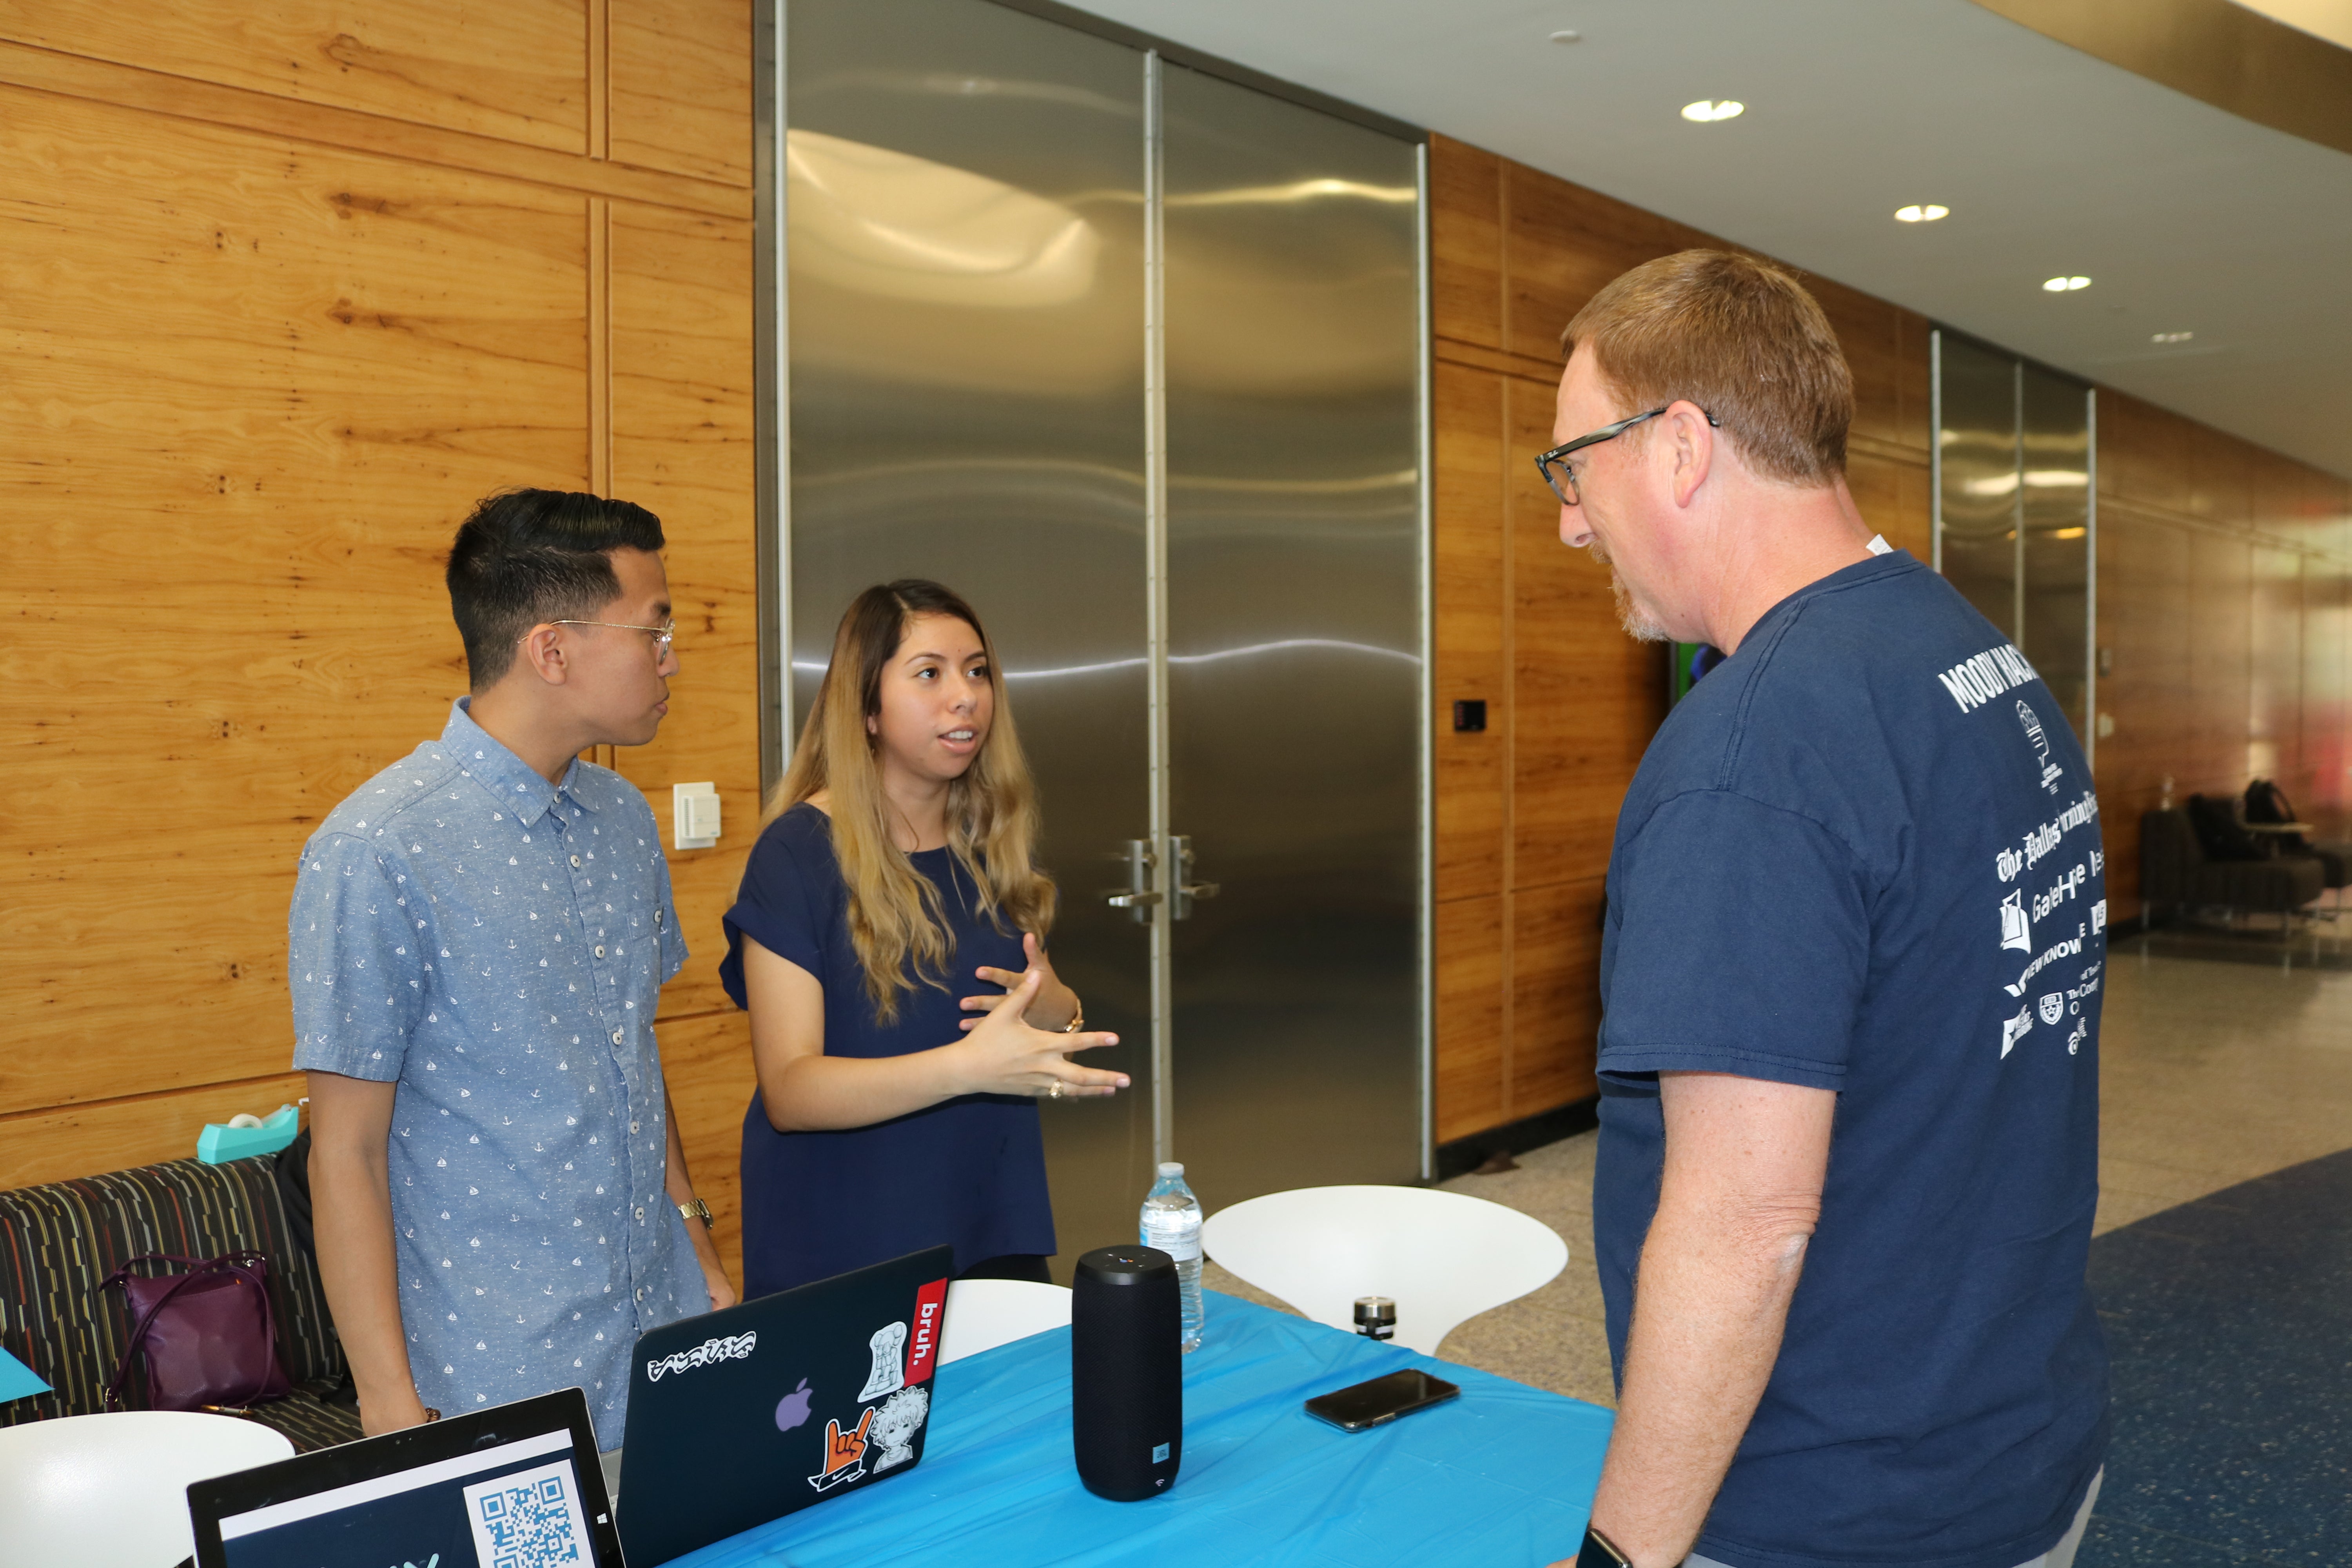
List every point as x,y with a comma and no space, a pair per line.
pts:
844,1453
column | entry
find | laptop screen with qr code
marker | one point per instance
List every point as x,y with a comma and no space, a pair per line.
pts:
514,1487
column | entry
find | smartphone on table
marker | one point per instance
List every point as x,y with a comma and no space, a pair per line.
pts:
1381,1400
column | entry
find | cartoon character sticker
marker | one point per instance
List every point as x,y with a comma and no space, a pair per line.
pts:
844,1453
888,1345
896,1421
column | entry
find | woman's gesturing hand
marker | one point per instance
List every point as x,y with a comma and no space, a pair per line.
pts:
1004,1055
1058,1002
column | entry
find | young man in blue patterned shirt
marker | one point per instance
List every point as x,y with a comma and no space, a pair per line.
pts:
479,935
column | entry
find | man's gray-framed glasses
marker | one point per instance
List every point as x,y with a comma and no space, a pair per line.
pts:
663,635
1561,474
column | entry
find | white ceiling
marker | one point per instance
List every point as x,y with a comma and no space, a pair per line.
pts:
2185,218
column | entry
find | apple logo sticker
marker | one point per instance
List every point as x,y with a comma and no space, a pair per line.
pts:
793,1409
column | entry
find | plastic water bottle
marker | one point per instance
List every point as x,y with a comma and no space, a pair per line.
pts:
1171,1222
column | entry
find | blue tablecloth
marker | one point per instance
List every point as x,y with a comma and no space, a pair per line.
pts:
1502,1476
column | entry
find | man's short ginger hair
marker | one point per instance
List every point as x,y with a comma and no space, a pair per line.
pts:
1740,338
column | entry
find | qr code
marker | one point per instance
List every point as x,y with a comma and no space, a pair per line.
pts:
530,1519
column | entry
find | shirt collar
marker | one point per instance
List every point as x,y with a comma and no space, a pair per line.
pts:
514,783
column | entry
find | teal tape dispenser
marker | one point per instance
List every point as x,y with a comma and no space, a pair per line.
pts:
246,1136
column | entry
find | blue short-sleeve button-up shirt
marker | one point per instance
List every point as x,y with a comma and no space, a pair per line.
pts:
495,945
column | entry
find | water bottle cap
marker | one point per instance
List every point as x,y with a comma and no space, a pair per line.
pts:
1171,1167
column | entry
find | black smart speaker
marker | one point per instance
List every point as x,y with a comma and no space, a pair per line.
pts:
1127,1372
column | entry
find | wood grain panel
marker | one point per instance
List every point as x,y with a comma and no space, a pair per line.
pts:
2143,598
1563,243
2326,680
1555,994
1473,769
181,98
1872,332
59,1143
2220,665
1465,242
517,70
681,87
2274,671
1586,697
1472,962
682,446
2221,476
2143,451
1893,496
708,1061
332,357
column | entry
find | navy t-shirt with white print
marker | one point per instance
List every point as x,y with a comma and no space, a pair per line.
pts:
1864,856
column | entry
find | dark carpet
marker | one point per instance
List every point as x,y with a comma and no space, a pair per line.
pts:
2230,1321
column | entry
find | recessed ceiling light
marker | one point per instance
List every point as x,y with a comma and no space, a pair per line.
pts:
1704,110
1567,36
2172,337
2065,285
1928,213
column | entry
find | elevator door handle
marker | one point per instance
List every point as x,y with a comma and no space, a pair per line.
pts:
1133,901
1198,890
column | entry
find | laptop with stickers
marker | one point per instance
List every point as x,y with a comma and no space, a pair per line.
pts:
516,1485
741,1416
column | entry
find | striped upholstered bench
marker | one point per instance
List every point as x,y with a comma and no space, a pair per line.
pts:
58,1242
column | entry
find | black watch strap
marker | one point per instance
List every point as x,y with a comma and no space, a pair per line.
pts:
1600,1552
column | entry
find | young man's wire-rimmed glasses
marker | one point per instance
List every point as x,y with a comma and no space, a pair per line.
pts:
1561,474
663,635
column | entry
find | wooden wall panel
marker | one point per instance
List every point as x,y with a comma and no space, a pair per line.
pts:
1893,496
245,486
1471,590
2274,673
1562,244
1472,1026
681,87
516,69
1585,697
2212,741
683,447
2144,599
1465,251
60,1142
309,285
1555,994
707,1061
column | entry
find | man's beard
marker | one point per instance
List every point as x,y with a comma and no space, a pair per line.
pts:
1638,624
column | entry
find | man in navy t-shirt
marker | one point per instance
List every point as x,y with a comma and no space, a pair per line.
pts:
1851,980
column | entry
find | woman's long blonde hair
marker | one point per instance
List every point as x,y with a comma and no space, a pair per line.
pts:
895,911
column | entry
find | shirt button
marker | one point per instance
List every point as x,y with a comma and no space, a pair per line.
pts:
600,950
641,1213
633,1127
616,1037
641,1292
576,859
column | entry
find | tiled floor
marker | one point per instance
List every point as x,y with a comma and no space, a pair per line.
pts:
2212,1073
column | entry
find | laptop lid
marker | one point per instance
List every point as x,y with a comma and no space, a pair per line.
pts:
518,1485
744,1415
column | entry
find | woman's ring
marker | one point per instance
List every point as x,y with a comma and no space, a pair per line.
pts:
1055,1092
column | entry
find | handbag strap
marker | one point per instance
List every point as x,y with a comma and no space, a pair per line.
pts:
245,1265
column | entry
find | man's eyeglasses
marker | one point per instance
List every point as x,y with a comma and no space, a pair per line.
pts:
663,635
1561,474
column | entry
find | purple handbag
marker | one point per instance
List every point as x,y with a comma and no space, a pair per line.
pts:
207,1334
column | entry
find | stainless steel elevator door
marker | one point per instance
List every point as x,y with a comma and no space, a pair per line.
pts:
1979,543
2054,477
965,248
1291,245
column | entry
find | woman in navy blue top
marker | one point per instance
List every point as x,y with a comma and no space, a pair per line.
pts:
894,1113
